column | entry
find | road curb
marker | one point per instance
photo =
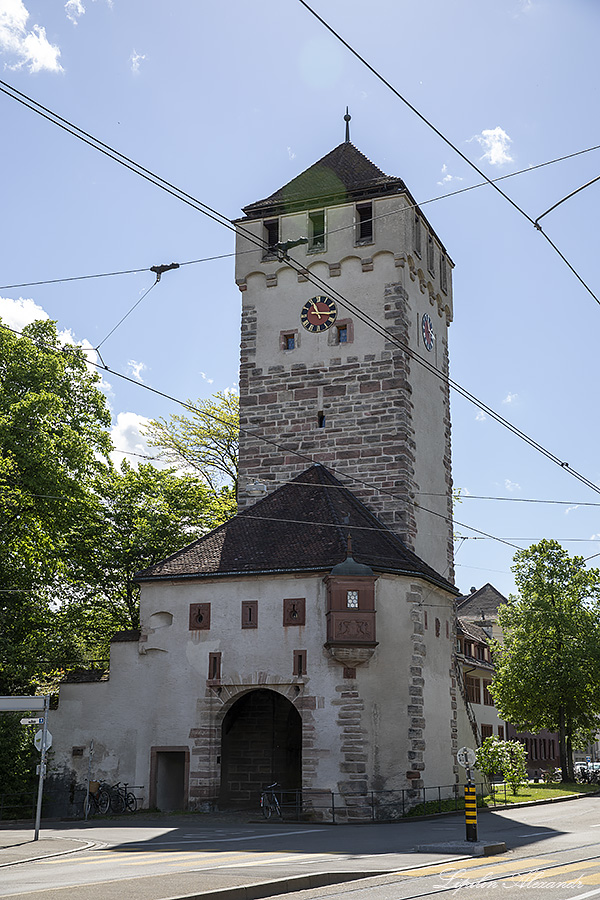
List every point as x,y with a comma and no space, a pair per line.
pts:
263,889
85,845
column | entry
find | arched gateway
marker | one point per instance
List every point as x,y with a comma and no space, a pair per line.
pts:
261,742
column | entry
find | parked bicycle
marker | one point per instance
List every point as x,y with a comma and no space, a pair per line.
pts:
103,797
97,799
269,802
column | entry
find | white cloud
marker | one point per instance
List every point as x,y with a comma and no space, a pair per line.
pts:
570,509
511,486
74,10
206,378
31,48
128,436
19,313
136,369
495,143
135,60
447,177
510,398
480,416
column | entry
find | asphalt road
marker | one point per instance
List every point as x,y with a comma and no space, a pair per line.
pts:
553,850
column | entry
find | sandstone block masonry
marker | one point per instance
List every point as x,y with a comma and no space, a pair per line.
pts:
352,413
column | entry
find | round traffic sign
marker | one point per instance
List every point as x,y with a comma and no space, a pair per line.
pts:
465,757
38,740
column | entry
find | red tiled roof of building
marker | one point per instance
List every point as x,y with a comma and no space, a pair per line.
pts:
303,526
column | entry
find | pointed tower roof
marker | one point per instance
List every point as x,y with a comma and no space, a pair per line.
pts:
300,527
343,174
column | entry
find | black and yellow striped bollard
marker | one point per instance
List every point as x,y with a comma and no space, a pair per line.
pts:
471,811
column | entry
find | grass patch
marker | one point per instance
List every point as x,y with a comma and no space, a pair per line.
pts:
527,794
531,792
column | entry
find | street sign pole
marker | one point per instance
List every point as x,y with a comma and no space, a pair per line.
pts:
466,758
86,802
38,812
470,808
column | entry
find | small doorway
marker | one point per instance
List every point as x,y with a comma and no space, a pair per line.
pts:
261,743
169,767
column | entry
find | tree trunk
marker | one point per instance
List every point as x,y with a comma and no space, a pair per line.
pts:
562,743
570,769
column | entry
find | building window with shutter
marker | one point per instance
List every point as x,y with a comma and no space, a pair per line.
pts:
214,666
271,238
430,254
417,234
299,662
443,273
249,613
488,700
316,230
473,686
486,731
364,223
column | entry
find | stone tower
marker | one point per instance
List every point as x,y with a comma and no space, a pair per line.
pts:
344,351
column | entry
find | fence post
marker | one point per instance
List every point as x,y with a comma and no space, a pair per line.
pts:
333,807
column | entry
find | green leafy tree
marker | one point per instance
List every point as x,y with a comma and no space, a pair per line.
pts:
507,757
53,422
548,667
206,442
142,516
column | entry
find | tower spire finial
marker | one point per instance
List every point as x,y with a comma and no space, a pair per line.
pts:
347,118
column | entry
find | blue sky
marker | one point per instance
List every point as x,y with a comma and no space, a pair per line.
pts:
229,101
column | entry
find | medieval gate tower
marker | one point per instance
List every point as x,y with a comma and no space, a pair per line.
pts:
266,651
344,354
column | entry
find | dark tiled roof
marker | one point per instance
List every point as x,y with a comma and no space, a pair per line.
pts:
301,527
343,173
486,599
472,630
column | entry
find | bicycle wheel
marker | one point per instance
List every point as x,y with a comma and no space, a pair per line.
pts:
267,809
89,806
131,802
103,801
117,803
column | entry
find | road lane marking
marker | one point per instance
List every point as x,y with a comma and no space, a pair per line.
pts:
468,863
559,870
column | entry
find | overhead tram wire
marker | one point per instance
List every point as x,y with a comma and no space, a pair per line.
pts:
221,219
189,262
273,443
377,218
442,136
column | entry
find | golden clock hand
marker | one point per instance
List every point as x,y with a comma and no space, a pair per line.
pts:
317,311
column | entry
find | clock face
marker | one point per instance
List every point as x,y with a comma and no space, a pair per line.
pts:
318,314
428,332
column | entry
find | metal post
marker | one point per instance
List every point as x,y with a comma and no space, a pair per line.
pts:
333,807
470,809
38,812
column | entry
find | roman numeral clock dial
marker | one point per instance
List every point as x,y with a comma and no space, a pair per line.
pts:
318,314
